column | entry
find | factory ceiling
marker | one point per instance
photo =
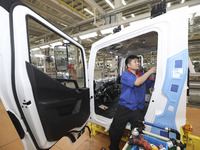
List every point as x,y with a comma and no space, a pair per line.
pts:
79,17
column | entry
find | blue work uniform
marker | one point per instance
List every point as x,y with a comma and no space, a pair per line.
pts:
132,96
130,109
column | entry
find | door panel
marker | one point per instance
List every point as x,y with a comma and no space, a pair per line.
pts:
52,110
60,108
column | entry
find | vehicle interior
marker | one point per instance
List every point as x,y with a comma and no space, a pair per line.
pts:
110,64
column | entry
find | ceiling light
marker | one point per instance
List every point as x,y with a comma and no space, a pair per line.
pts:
107,31
88,11
63,24
39,55
55,44
182,1
132,15
124,18
111,5
168,4
45,46
35,49
123,2
93,34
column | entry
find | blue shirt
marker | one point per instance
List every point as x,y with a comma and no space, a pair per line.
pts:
132,96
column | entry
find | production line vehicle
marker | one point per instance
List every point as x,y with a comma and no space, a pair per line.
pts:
44,108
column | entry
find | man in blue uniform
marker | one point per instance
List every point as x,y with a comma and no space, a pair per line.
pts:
131,101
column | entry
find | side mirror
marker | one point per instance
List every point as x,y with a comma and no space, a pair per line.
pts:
62,61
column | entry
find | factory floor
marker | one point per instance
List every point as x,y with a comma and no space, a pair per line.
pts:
9,139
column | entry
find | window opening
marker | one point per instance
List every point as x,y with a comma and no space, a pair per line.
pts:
59,59
107,86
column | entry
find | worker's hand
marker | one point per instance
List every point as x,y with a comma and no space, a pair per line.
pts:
153,70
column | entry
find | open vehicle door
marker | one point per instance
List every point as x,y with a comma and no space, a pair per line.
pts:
42,109
163,41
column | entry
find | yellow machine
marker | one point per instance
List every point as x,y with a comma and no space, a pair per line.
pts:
95,129
192,142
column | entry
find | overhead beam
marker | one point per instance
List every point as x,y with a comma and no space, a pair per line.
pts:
68,9
102,16
57,8
139,17
36,30
129,6
41,11
93,4
120,9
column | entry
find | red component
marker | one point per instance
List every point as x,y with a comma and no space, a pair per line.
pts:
140,141
160,146
152,78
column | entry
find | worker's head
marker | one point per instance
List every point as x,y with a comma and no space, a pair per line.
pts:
132,62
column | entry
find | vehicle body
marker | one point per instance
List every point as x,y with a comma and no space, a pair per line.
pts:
43,110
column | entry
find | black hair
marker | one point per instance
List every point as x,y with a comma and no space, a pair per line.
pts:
130,58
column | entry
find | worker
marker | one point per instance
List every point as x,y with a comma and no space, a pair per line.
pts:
131,101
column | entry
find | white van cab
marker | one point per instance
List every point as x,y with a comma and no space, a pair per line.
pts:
55,95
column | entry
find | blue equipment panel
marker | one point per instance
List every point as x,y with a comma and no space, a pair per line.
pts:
176,73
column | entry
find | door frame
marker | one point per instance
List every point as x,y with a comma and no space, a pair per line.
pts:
166,26
19,31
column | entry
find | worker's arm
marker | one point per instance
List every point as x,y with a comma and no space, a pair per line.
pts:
140,80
